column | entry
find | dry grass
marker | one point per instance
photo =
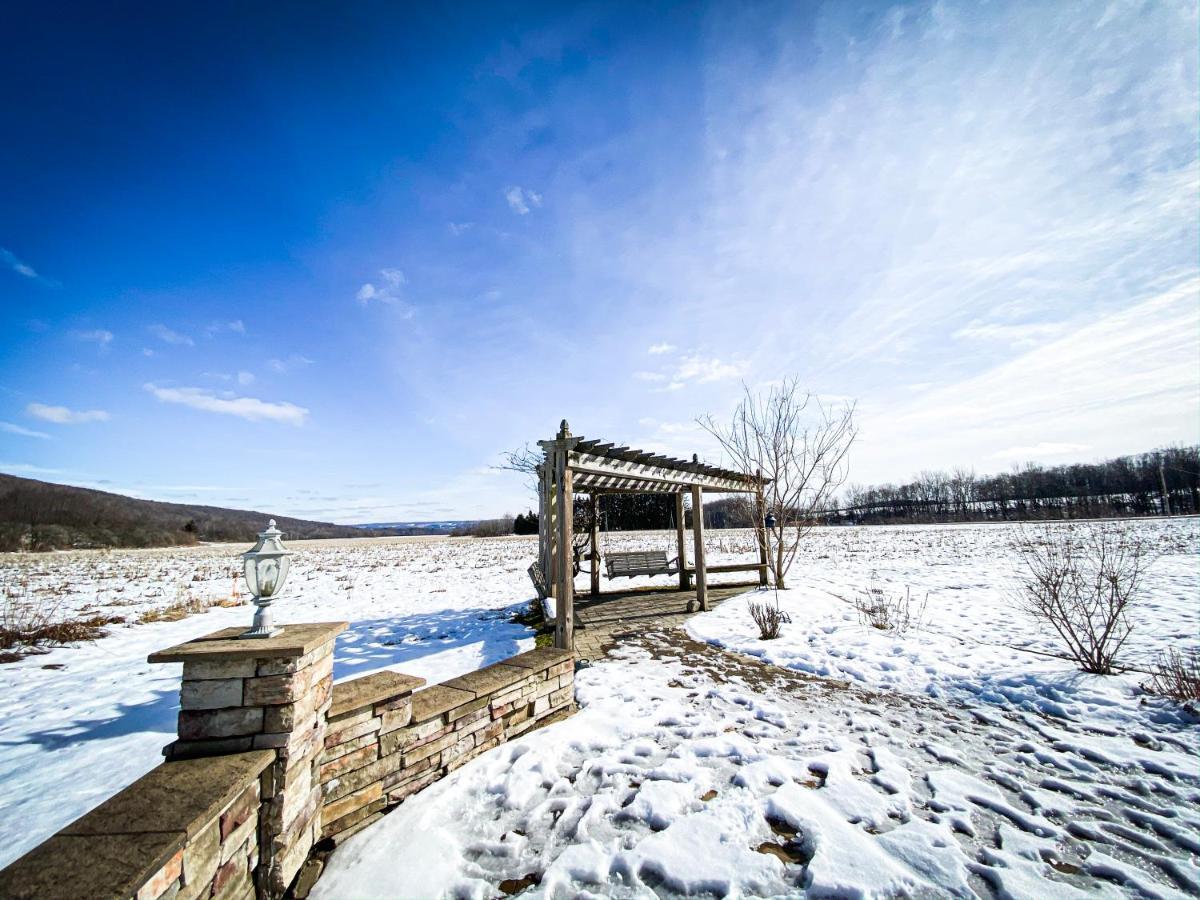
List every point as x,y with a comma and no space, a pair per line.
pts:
28,624
187,604
897,614
769,618
1176,675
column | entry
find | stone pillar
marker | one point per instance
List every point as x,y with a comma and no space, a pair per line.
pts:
272,693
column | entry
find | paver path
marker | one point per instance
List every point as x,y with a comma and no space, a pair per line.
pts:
601,623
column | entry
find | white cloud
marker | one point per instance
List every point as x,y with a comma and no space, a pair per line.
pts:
1037,452
704,369
649,376
520,200
388,291
459,228
249,408
168,336
100,336
659,349
61,415
245,378
9,260
10,428
283,366
1023,334
235,326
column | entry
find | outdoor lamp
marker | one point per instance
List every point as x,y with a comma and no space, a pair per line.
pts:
770,522
266,568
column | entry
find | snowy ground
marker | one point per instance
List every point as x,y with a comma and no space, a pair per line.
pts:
980,735
958,760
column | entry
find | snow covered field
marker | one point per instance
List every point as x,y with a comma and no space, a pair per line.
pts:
955,763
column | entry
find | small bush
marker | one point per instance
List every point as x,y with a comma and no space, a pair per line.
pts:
1083,582
1176,675
769,618
897,614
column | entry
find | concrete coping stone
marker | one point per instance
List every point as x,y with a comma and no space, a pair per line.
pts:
178,796
68,867
118,846
370,689
228,643
489,679
437,699
541,658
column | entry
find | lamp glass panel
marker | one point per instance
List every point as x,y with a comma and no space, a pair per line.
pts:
268,575
250,568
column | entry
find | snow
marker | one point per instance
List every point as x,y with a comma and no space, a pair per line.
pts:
956,760
82,722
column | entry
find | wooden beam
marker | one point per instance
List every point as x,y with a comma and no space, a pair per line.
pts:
586,465
681,543
594,504
733,567
564,618
698,535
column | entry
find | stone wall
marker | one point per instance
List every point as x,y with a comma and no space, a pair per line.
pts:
384,742
186,830
271,757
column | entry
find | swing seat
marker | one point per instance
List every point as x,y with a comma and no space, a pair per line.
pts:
641,562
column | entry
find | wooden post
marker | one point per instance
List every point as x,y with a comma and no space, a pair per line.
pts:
698,535
544,523
552,524
595,510
760,531
564,602
681,543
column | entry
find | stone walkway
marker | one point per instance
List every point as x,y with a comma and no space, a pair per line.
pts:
600,623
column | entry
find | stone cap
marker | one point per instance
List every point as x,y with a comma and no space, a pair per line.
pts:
114,849
541,658
228,643
488,680
436,700
369,689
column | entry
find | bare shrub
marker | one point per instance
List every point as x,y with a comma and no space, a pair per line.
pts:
188,604
769,618
897,613
1176,675
1082,582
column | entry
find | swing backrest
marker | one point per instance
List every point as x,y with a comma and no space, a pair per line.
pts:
639,562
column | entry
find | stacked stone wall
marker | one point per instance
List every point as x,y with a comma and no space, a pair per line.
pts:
384,743
186,830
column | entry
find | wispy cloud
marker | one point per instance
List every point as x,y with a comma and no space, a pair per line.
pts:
10,428
249,408
244,378
234,326
521,200
10,261
169,336
388,290
100,336
660,349
1018,335
62,415
282,366
1038,452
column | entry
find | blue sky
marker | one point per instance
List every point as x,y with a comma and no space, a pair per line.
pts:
332,262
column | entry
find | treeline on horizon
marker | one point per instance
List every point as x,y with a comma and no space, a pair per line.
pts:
39,516
1145,484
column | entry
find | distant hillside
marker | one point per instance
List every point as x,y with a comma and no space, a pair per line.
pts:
36,515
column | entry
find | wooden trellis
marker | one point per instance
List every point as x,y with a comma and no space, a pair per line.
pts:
576,465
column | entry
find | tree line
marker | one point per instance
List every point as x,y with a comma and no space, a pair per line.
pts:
1160,482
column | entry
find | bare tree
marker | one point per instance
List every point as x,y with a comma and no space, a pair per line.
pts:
1083,581
525,460
799,445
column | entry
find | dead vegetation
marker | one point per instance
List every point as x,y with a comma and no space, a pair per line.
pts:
1176,675
30,624
769,618
897,613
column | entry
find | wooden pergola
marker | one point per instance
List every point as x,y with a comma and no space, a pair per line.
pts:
575,465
